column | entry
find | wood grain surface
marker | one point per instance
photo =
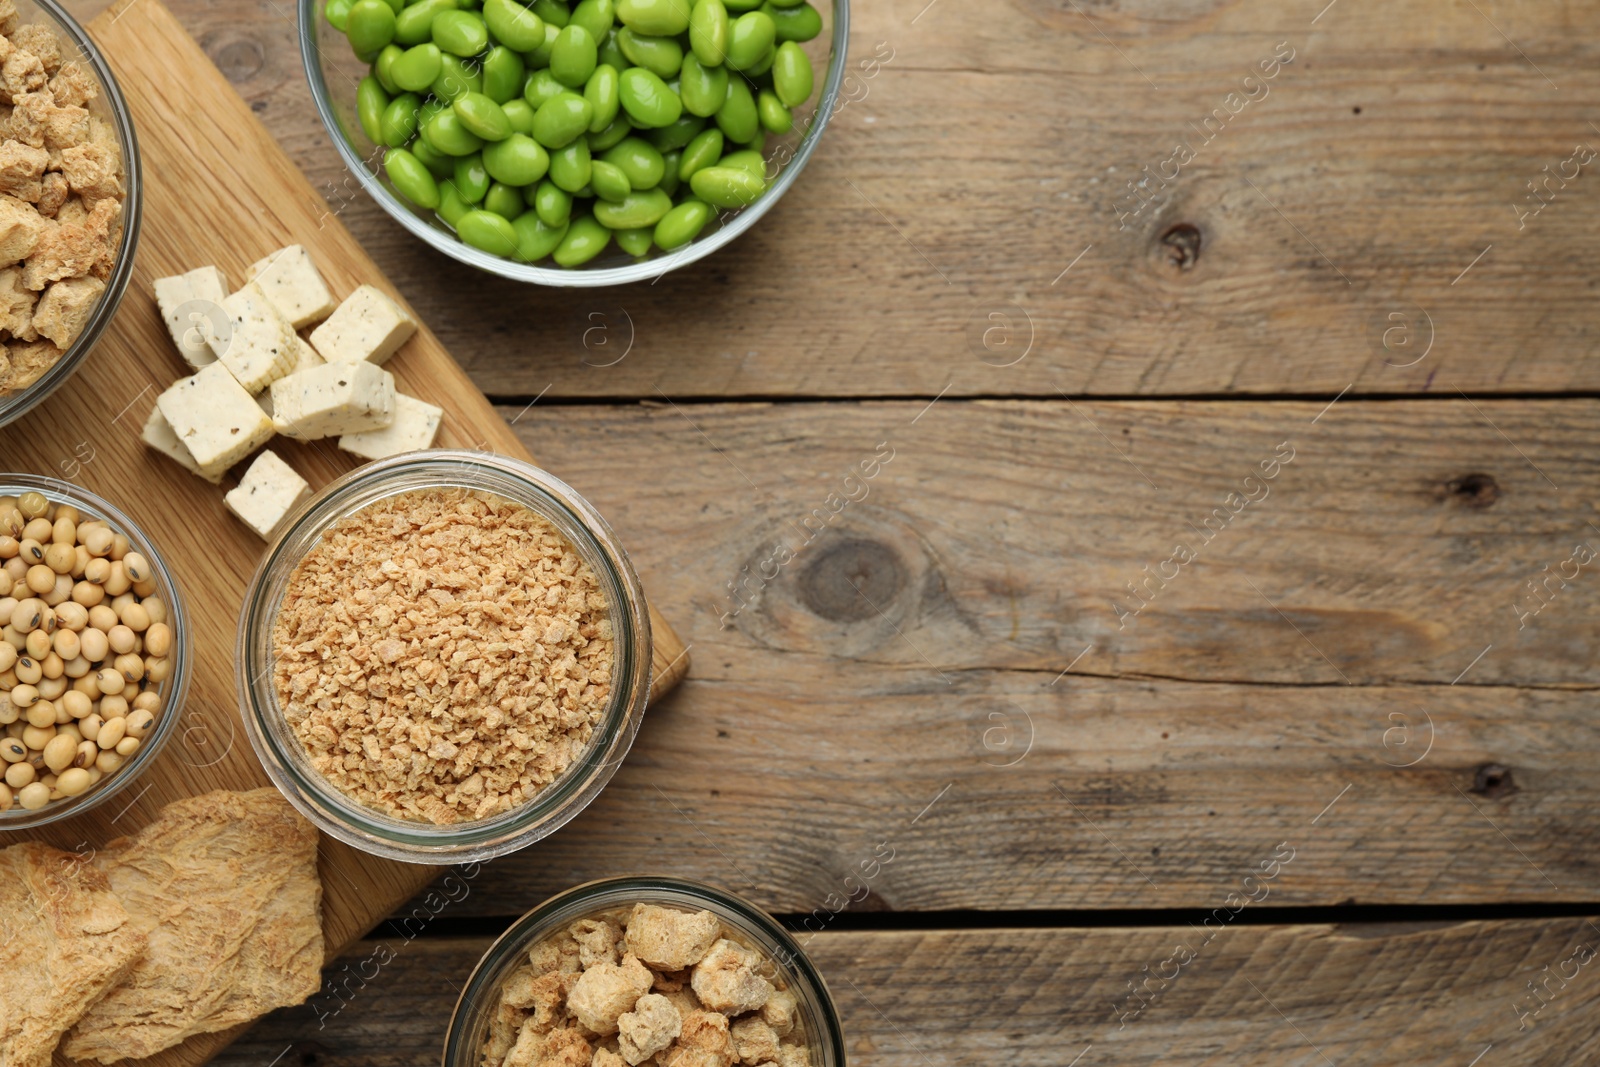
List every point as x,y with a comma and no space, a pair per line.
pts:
1293,996
219,191
984,147
1354,664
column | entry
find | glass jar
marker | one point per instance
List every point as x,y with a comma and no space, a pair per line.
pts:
285,757
172,691
469,1023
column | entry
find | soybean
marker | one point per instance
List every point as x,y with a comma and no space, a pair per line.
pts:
703,88
585,238
646,98
370,26
737,116
371,100
750,39
727,186
569,166
774,116
504,200
708,32
417,68
398,124
682,224
513,24
658,18
791,74
552,204
608,181
482,116
415,24
561,119
601,92
461,33
644,208
596,16
634,242
574,56
700,153
801,23
410,178
503,74
518,160
487,231
662,56
535,237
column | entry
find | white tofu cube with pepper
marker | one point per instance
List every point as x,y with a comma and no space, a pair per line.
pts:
159,435
415,425
367,326
269,490
214,418
292,283
259,347
335,398
191,307
305,358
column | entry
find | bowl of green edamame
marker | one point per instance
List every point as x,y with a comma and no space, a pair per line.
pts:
582,143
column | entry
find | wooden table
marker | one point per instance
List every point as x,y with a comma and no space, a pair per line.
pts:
1370,673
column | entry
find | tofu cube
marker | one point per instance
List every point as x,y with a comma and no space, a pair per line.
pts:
214,417
260,346
292,283
415,425
159,435
367,326
269,490
305,358
190,306
333,399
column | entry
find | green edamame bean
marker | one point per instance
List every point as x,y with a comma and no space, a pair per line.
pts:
396,6
520,114
785,3
800,23
513,25
462,33
552,203
585,238
518,160
601,92
573,57
727,186
410,178
398,124
758,143
634,242
703,89
745,160
541,86
662,55
741,5
757,74
702,152
414,24
370,103
503,74
657,18
792,77
561,118
644,208
370,26
446,133
646,98
430,107
611,54
451,206
608,181
774,116
678,134
708,32
669,176
503,200
337,12
540,56
737,115
620,127
438,164
383,67
750,37
487,231
482,116
554,12
682,224
455,78
417,68
639,160
471,178
569,166
596,16
535,237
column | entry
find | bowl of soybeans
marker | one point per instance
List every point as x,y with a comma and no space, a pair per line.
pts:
94,651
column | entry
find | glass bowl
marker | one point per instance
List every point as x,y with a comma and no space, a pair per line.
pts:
364,827
469,1023
334,73
172,691
110,107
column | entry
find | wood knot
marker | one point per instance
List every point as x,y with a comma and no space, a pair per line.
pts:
1493,780
1182,244
239,58
1474,490
852,580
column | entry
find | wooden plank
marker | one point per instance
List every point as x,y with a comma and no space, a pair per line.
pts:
1209,728
1285,996
245,201
976,164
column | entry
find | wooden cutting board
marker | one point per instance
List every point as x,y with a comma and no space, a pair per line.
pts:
219,190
